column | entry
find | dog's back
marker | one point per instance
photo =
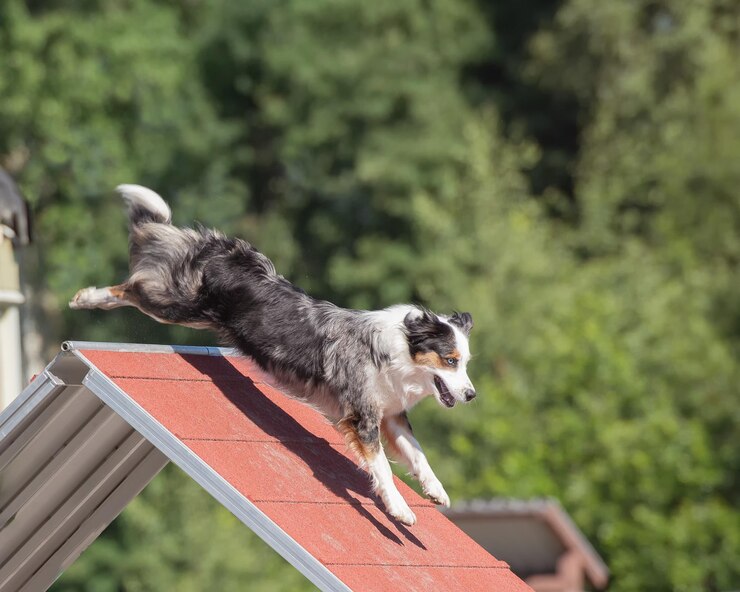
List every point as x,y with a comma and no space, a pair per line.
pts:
203,279
183,275
165,262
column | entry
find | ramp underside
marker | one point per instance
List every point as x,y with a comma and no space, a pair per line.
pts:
68,466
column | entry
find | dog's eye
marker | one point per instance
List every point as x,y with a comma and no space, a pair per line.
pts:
451,361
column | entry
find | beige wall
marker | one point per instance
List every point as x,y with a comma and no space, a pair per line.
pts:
10,328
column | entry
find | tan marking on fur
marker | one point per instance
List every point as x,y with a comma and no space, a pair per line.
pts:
434,360
124,292
119,291
353,441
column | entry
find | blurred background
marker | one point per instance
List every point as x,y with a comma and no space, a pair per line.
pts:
566,170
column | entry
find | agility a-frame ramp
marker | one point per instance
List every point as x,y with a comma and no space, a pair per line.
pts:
89,432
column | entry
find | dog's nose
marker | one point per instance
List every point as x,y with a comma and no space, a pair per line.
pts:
469,394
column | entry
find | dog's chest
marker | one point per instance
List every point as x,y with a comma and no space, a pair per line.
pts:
400,391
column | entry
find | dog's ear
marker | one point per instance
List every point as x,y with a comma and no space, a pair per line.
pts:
422,328
463,321
420,321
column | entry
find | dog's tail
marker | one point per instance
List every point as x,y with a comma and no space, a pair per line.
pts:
144,205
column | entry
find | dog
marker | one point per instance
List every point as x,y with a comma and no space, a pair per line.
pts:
362,369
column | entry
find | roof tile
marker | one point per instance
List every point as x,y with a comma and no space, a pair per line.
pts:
388,578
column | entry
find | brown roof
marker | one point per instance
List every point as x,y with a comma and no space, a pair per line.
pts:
531,535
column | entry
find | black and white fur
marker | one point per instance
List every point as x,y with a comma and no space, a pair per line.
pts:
362,369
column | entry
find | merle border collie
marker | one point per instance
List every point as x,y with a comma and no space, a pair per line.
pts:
362,369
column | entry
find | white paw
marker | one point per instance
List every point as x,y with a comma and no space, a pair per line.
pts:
434,491
399,509
82,298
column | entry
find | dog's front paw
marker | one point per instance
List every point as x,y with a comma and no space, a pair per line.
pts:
403,515
434,491
399,509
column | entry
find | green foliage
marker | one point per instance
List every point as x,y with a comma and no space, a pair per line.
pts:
565,171
90,101
661,85
345,109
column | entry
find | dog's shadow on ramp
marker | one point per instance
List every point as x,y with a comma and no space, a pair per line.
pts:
336,472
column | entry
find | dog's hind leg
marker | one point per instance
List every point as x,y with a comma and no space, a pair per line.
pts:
104,298
397,431
362,435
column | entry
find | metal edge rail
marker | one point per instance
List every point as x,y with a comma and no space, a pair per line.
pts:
69,346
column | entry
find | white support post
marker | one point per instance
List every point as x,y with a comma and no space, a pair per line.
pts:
11,358
11,382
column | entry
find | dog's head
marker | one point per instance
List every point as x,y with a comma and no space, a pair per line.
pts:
439,345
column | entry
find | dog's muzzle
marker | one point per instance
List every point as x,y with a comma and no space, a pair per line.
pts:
444,393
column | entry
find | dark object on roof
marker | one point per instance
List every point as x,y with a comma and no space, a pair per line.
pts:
537,538
100,422
14,212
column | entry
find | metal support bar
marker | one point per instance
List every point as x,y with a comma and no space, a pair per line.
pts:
150,348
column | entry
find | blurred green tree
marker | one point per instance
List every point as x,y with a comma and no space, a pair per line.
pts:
659,84
565,170
346,110
94,96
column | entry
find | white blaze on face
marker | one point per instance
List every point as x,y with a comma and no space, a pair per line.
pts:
457,378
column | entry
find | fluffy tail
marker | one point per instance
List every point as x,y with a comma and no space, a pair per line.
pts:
144,205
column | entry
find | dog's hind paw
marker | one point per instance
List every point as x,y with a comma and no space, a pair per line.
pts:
83,298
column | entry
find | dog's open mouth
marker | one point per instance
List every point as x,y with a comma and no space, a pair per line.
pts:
444,393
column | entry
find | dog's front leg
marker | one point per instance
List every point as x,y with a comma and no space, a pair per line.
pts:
405,447
362,435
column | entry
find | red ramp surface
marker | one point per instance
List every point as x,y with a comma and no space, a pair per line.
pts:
271,456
